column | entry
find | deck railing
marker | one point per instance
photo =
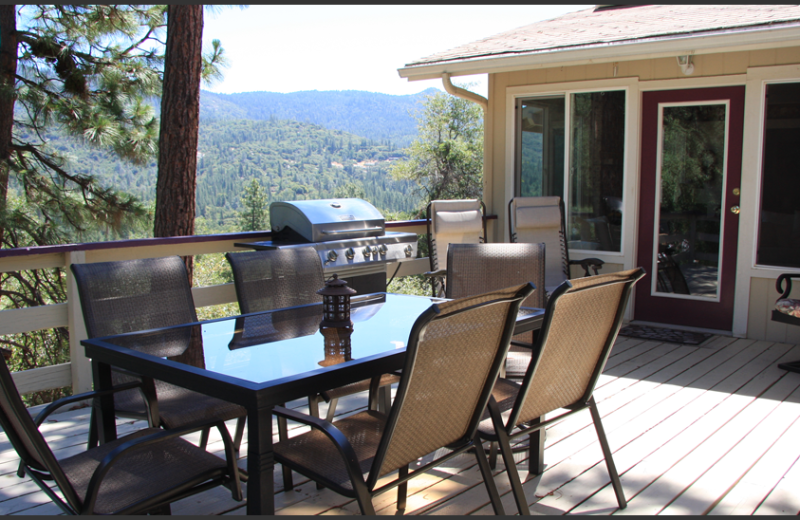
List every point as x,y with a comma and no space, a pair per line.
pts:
77,373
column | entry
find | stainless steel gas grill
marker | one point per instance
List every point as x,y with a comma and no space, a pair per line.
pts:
349,235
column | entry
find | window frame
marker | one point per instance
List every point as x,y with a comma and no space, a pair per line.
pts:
630,86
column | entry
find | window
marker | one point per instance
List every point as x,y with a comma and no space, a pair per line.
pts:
779,222
596,159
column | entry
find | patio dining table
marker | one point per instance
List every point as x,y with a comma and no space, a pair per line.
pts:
264,359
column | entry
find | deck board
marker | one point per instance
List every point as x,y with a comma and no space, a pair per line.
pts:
707,429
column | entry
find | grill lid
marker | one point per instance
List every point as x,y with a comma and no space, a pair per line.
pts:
325,220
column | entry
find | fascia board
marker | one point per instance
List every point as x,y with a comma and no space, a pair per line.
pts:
612,52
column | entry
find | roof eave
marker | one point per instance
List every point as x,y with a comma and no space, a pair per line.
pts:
728,41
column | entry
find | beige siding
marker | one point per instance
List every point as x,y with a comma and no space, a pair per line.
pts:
763,293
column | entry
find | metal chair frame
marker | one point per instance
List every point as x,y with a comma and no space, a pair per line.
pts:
790,366
48,468
504,429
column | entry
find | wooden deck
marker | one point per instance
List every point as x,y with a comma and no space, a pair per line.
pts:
694,430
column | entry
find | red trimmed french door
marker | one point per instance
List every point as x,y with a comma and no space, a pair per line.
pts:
691,161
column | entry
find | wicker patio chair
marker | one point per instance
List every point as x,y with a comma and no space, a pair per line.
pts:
149,293
142,472
451,222
454,355
541,219
787,310
581,323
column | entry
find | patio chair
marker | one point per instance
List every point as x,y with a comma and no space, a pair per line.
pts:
149,293
451,222
478,268
142,472
454,355
541,219
279,278
581,323
787,310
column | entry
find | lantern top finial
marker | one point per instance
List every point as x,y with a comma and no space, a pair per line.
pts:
336,287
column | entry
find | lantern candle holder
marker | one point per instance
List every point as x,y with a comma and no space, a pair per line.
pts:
336,326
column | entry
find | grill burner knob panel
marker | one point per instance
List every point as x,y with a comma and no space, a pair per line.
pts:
408,250
350,253
367,252
375,250
382,249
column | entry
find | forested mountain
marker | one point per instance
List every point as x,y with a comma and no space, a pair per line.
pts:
291,160
368,114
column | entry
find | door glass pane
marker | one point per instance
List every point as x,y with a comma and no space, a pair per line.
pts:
779,226
541,149
596,166
690,186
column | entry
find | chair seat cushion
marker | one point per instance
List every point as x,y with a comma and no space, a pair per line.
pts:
140,473
314,453
789,307
179,407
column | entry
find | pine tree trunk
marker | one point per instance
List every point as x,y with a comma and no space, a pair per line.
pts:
180,119
8,69
177,148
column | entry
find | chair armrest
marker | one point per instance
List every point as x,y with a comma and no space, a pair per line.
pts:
52,407
586,263
141,442
434,274
787,277
332,432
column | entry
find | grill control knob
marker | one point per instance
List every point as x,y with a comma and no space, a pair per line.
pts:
366,251
408,250
383,249
350,253
332,256
375,250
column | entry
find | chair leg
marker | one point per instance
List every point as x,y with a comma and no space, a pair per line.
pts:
488,478
402,490
204,437
313,405
93,440
331,409
238,435
513,475
493,454
612,468
385,399
364,499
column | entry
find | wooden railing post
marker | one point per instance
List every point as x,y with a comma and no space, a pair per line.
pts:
79,364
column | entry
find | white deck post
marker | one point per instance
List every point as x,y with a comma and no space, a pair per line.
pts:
80,365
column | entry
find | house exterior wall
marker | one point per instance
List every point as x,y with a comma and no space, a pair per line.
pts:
755,292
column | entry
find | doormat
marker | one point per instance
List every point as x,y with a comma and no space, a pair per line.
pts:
683,337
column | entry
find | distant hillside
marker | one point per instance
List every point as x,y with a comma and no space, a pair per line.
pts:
290,159
379,117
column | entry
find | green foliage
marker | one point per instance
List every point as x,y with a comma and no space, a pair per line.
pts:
253,216
446,160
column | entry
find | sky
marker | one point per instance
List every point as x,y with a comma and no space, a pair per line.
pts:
280,48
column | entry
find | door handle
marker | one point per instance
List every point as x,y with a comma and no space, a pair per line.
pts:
735,210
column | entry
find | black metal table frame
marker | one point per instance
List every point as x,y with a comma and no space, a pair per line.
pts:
258,398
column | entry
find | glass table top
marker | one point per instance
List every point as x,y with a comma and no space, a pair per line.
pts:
269,346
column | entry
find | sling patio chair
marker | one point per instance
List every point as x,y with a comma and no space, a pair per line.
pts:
149,293
453,358
581,323
451,222
787,310
541,219
478,268
142,472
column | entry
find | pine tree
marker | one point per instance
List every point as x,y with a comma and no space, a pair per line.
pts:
253,216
